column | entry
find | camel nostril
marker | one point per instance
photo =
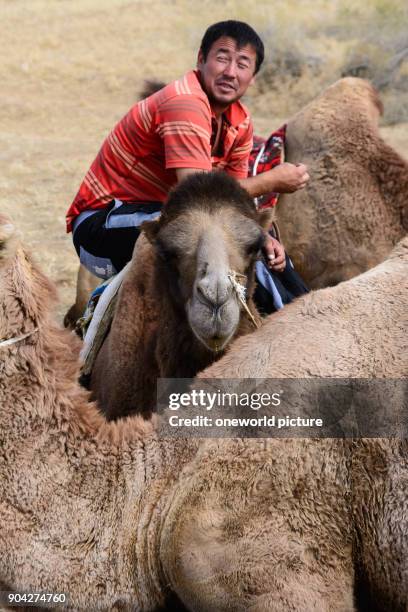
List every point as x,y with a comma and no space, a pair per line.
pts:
203,298
216,302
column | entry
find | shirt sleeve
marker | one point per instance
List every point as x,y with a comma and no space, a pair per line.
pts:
184,124
237,165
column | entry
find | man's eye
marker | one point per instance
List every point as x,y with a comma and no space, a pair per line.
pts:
222,58
243,66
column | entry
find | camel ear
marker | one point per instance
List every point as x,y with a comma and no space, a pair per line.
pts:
150,229
266,218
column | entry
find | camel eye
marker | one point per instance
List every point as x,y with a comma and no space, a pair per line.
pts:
166,253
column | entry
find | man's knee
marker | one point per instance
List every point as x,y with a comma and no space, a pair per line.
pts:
102,267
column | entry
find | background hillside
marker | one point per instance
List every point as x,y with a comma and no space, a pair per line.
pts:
72,68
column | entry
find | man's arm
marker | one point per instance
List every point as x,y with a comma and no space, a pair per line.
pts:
285,178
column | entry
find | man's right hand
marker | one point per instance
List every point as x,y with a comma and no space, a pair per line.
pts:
287,178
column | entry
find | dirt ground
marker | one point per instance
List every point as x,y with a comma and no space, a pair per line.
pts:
72,69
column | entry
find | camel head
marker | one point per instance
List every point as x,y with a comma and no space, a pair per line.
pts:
208,231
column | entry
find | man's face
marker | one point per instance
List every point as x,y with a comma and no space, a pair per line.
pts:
227,72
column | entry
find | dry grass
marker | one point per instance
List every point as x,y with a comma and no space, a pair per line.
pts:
71,69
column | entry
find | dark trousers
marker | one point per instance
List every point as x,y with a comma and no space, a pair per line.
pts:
288,284
105,240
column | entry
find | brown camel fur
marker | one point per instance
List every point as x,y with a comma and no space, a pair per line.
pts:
117,517
355,207
177,309
98,510
356,329
86,283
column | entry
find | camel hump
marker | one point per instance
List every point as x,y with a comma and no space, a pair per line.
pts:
357,109
352,94
7,231
360,88
150,86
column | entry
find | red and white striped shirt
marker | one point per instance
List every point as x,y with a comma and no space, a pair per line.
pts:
170,129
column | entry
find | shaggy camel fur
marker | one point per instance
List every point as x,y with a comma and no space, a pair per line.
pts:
355,208
118,518
357,329
177,309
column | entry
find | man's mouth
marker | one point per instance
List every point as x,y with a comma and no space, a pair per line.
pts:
226,86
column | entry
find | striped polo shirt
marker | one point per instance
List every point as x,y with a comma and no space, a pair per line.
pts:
170,129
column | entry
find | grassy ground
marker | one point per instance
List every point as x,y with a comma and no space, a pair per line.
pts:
71,69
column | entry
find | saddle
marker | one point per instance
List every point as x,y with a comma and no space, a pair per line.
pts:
265,155
94,325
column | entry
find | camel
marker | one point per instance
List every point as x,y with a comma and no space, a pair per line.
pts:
357,329
98,510
121,519
177,309
355,208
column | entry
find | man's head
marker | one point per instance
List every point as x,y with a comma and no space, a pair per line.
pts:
239,31
230,55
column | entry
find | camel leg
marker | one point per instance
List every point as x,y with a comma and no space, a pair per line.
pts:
86,283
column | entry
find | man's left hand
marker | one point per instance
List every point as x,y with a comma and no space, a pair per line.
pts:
275,254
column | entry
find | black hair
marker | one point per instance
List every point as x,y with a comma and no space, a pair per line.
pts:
241,32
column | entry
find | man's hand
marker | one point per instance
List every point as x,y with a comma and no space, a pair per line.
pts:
275,254
287,178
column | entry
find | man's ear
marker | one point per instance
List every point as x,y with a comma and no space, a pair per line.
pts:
200,58
150,230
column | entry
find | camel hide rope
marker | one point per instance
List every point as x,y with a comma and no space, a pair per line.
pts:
240,290
16,339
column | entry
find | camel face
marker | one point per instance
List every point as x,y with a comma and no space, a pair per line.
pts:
201,248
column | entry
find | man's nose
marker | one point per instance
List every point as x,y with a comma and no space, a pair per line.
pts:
231,69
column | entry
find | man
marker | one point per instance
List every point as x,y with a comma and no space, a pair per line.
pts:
193,124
